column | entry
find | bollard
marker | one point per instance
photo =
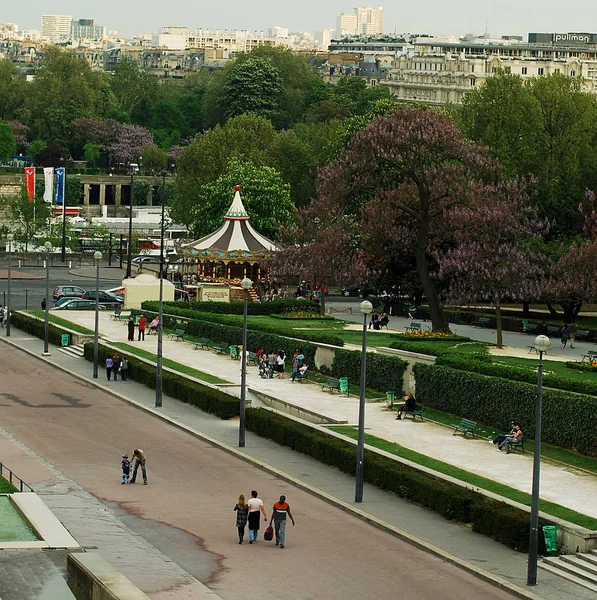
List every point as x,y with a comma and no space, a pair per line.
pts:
44,263
26,299
19,263
70,264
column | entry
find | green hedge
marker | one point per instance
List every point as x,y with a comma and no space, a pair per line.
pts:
35,327
233,321
253,308
384,373
500,521
177,386
569,419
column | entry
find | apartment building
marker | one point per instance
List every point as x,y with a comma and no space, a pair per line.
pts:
55,28
86,29
361,21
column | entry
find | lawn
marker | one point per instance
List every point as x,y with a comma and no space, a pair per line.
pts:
489,485
52,318
6,487
549,366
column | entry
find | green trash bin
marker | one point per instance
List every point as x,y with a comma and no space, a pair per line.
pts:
344,385
390,399
551,538
65,339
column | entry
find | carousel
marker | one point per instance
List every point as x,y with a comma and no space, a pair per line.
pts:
230,254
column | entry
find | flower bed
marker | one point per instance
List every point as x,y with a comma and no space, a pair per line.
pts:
302,315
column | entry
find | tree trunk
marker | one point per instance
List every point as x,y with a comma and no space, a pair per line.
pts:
526,308
498,319
322,303
552,311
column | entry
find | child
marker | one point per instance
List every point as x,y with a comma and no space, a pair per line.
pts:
126,468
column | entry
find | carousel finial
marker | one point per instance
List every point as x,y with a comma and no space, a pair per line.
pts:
237,188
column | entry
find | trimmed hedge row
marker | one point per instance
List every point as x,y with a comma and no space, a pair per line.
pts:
207,399
502,522
383,372
231,321
35,327
253,308
569,420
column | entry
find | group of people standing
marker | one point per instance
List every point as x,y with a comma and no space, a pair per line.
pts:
249,512
115,364
274,362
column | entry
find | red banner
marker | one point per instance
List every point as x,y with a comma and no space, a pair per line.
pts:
30,182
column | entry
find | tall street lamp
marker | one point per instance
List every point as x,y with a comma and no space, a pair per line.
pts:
129,256
365,307
97,255
158,372
63,249
246,284
162,223
9,238
48,248
542,343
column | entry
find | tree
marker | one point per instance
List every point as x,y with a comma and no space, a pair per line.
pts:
418,164
29,217
131,85
92,153
13,92
141,190
154,159
253,87
20,132
8,142
50,156
35,147
132,140
491,257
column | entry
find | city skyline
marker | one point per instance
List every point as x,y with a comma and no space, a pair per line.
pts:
440,18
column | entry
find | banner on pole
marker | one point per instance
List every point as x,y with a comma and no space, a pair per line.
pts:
59,185
30,182
49,184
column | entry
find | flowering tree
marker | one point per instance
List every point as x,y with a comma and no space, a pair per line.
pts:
132,140
20,132
491,257
102,132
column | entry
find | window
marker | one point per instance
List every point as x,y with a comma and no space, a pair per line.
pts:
493,69
572,73
524,70
473,81
540,71
556,70
472,68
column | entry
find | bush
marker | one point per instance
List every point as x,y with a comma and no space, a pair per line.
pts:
177,386
504,523
383,372
253,308
569,419
430,336
35,327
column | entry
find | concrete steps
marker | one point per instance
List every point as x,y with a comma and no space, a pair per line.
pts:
576,568
74,351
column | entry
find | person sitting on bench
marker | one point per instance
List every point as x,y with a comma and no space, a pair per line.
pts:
412,311
408,406
383,320
501,438
154,325
511,438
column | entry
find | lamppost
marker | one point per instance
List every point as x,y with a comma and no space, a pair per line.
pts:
63,249
158,372
47,247
246,284
365,307
129,256
162,223
97,255
9,238
542,343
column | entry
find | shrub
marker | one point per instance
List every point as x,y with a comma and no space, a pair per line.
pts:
253,308
569,419
35,327
430,336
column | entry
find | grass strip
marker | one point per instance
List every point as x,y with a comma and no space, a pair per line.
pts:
489,485
6,487
62,322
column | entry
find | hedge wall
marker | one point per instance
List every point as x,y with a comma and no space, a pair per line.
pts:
177,386
498,520
35,327
253,308
384,373
227,320
569,420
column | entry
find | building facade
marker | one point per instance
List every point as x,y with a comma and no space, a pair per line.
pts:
362,21
55,28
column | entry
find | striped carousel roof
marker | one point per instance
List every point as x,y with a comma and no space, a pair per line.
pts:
235,239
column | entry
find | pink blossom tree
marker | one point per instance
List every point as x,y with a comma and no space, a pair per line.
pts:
132,140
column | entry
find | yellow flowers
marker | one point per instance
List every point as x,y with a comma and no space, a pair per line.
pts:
428,335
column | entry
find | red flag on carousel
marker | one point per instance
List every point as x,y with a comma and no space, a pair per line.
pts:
30,182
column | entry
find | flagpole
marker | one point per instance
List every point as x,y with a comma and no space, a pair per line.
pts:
63,252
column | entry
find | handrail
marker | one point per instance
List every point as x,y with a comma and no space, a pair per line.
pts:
12,476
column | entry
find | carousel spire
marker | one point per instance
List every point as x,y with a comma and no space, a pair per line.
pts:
237,209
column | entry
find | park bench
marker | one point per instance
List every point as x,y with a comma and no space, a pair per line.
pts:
529,327
221,348
202,343
590,357
553,331
414,328
518,444
466,426
417,411
177,334
252,358
331,384
302,376
481,322
533,349
583,334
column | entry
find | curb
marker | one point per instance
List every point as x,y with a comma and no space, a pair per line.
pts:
494,580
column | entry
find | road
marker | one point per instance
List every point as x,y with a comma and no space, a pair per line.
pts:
193,488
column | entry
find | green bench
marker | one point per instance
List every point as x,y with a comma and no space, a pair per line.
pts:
252,358
590,357
533,349
202,343
481,322
583,334
553,331
518,444
529,327
331,384
221,348
417,411
414,328
466,426
177,334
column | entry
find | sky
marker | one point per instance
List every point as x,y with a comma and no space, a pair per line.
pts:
130,17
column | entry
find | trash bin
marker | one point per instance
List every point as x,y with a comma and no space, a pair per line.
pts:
234,352
525,326
344,385
65,339
551,538
390,399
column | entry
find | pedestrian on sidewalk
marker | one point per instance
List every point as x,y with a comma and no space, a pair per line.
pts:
279,512
139,461
564,333
255,508
142,322
43,304
242,514
115,369
271,363
126,468
124,368
572,329
131,326
109,366
280,360
1,316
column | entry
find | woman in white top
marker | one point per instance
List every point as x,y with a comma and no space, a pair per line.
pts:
280,364
255,507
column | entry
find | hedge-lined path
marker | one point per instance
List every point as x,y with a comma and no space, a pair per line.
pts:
78,433
562,485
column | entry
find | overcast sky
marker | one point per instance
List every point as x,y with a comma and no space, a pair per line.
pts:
129,17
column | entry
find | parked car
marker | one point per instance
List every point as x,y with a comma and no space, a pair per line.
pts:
78,304
67,291
361,290
146,259
105,298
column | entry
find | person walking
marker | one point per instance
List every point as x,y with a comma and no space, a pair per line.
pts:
255,508
242,514
115,369
572,329
565,332
131,326
124,368
142,323
109,366
139,461
2,316
279,512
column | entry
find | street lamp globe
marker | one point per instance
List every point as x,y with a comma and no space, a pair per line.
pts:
246,284
10,237
48,246
366,307
97,255
542,343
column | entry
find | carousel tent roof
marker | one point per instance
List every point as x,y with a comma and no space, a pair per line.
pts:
235,235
